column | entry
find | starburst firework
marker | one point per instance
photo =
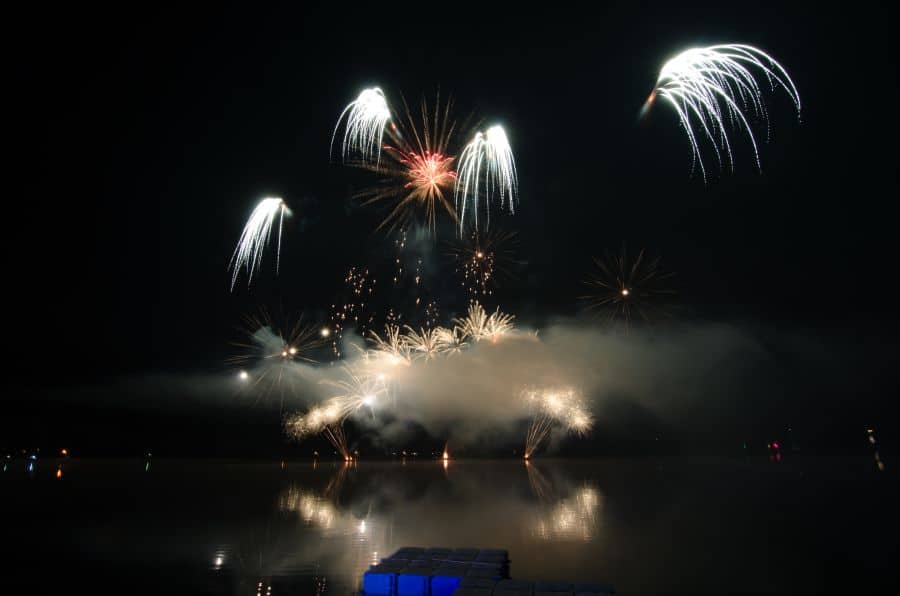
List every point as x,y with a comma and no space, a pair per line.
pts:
624,286
271,352
482,259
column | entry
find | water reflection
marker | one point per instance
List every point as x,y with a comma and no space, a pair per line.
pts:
329,530
570,517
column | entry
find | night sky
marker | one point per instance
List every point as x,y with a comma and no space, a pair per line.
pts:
141,139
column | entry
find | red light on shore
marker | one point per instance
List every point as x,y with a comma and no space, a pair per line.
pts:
64,452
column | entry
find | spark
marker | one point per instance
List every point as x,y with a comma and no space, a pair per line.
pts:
625,286
715,87
486,168
255,237
478,325
366,117
481,260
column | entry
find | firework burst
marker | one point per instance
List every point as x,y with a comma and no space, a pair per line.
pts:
392,349
624,287
255,237
354,392
271,352
478,325
417,172
425,344
486,169
552,407
714,87
366,118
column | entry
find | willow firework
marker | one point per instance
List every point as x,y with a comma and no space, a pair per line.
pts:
255,237
713,87
486,170
366,117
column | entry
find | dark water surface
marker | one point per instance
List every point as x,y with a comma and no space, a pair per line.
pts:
649,526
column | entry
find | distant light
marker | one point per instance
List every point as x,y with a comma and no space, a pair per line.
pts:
325,332
362,527
64,452
775,444
218,562
479,254
292,350
284,354
624,291
59,472
369,400
243,375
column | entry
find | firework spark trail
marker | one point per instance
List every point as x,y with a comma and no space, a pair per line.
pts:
255,236
478,325
486,167
715,86
551,407
366,118
353,310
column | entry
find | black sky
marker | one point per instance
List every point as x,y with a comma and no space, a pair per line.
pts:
141,137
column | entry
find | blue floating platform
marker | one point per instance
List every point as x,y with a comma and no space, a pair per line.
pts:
417,571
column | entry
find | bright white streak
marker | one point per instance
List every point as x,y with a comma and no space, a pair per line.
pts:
486,166
366,117
257,232
715,86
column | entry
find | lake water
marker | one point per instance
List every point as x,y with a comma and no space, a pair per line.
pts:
649,526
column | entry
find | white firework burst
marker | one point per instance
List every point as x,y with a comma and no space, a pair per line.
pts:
486,169
366,117
478,325
716,86
255,237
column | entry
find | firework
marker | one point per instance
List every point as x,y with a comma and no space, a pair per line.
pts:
366,118
392,349
624,287
552,407
453,340
417,174
355,391
255,237
711,88
271,352
425,343
486,169
478,325
481,259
